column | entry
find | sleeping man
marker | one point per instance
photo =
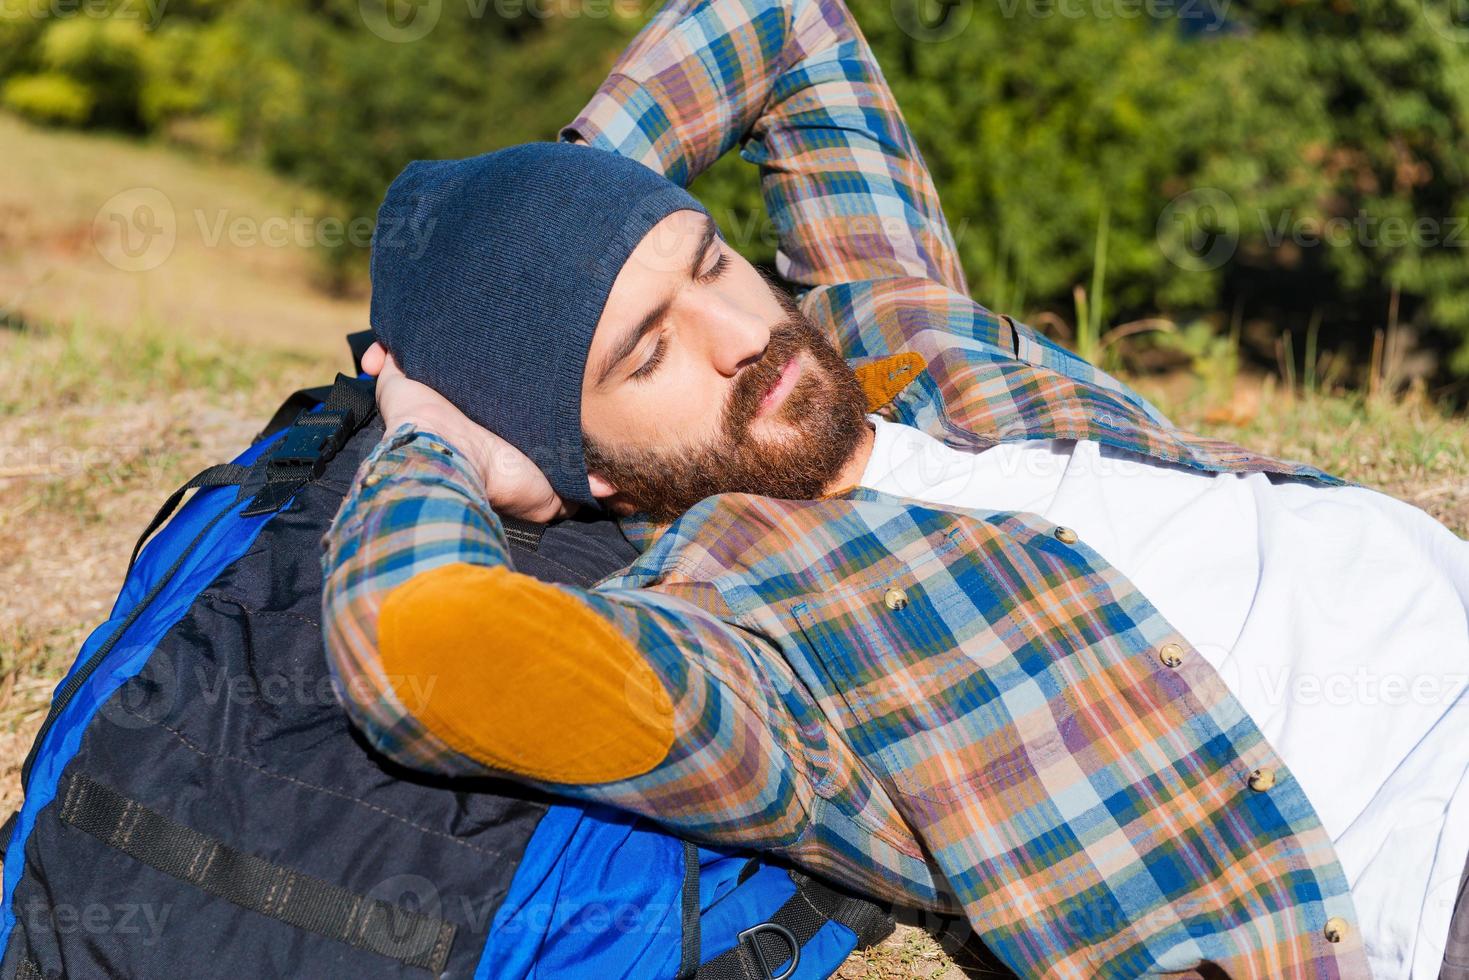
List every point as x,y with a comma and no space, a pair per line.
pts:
924,603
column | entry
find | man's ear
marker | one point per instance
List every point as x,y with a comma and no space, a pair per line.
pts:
602,488
605,492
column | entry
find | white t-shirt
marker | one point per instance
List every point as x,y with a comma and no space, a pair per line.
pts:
1338,616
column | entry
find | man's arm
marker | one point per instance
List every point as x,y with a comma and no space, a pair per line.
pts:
450,662
795,84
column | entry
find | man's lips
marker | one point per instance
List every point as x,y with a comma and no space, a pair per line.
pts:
789,375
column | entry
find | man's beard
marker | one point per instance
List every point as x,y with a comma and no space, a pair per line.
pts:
825,410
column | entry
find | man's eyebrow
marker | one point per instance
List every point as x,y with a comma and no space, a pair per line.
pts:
633,337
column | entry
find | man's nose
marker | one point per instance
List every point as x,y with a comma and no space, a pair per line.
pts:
733,334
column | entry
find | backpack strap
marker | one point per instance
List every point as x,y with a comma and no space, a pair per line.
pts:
308,398
275,890
6,831
311,442
763,947
313,439
358,342
299,401
219,475
689,960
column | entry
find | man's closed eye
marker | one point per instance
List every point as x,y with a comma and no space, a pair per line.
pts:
651,364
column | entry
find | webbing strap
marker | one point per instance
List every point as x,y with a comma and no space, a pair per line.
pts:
297,402
219,475
308,398
692,940
6,830
764,947
358,343
254,883
311,442
525,533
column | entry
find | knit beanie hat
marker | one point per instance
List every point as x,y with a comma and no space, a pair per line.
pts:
489,275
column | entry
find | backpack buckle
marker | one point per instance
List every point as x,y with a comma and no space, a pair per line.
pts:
312,441
308,445
750,940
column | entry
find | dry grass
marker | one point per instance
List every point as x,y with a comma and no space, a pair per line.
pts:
244,263
1405,446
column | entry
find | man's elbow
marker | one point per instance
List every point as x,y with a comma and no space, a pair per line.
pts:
519,676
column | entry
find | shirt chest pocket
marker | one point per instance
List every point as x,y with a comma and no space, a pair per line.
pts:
938,694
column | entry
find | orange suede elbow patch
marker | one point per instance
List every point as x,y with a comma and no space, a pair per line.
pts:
522,676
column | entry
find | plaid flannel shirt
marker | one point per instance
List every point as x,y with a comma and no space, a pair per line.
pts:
1018,737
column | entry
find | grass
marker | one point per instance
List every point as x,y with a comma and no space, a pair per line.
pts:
1405,447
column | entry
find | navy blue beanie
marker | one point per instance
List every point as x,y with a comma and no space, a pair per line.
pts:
489,275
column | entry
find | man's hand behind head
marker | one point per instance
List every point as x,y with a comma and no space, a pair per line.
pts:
514,485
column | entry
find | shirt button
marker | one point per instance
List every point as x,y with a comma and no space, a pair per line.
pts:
1065,535
1171,654
1336,929
1262,779
372,479
895,599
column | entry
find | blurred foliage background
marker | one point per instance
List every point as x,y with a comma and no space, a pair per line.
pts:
1281,181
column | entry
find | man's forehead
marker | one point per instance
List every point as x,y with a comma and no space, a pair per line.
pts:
665,256
668,244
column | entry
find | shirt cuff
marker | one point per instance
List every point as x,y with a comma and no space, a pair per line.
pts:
411,451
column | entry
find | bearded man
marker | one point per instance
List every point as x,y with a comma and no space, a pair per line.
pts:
925,603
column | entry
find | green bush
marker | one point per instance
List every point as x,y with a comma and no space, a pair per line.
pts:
1034,116
104,56
50,98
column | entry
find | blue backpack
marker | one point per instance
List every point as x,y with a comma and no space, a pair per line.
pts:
197,804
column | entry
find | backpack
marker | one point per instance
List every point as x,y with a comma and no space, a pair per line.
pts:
198,805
